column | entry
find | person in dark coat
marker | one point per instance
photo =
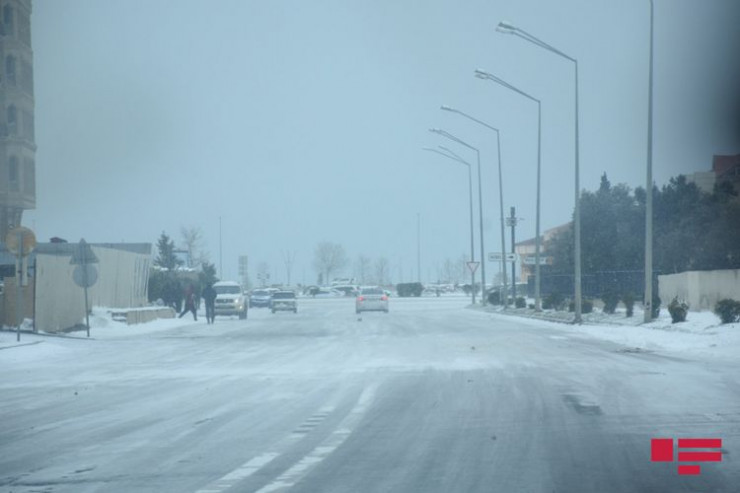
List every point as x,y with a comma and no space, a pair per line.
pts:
190,302
209,295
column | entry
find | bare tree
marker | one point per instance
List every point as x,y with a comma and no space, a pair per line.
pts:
464,270
192,241
449,273
263,273
329,258
362,268
382,267
288,259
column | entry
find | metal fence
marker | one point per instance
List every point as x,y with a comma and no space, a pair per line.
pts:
594,285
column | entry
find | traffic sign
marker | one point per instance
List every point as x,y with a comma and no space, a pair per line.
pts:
85,275
83,254
497,257
473,266
532,260
20,241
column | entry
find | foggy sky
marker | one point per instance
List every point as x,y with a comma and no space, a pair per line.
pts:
297,122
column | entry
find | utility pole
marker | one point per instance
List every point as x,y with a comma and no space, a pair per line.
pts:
512,221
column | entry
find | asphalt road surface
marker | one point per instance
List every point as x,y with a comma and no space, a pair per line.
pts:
432,397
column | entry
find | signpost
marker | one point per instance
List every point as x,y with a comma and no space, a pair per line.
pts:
496,257
20,242
85,274
533,261
473,266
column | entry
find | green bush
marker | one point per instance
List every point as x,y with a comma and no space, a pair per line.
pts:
520,302
678,310
611,300
494,297
728,310
553,301
629,302
587,306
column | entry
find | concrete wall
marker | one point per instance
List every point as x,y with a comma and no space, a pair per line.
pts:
60,303
700,289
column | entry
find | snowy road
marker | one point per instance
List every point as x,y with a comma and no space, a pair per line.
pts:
429,398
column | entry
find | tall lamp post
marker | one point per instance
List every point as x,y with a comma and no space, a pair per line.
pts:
451,155
537,241
648,301
505,27
448,135
501,203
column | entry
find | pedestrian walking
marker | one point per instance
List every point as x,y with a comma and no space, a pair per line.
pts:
190,302
209,295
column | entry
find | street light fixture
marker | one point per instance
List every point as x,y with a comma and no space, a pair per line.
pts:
501,203
451,155
507,28
537,241
448,135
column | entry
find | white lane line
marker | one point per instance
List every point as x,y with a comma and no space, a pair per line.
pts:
290,477
255,464
240,473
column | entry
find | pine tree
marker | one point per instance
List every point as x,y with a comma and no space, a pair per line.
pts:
166,258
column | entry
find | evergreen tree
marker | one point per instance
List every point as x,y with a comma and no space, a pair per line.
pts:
207,275
166,258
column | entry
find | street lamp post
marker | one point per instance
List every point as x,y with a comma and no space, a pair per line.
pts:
505,27
501,203
537,241
648,300
448,135
451,155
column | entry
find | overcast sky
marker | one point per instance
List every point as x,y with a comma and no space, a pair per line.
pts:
303,121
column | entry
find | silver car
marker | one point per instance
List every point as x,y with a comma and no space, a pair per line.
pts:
371,299
284,301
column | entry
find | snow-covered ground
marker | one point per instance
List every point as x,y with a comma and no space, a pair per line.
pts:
700,334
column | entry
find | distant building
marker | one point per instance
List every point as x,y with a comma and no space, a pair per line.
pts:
17,138
526,251
724,168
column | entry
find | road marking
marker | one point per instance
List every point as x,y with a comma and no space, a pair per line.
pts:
255,464
290,477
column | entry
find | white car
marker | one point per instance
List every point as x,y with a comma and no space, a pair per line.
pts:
230,300
284,301
371,299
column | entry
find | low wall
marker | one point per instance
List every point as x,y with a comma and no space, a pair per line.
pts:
134,316
700,289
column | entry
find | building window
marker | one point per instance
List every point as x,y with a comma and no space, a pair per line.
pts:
10,69
24,29
26,77
29,177
12,120
13,183
28,131
8,19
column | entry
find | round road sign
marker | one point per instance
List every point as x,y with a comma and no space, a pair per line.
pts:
85,275
20,240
